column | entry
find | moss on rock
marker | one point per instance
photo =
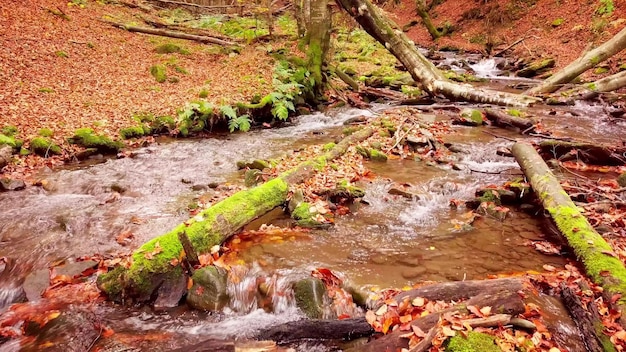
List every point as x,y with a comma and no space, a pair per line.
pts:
43,146
132,132
86,138
474,342
209,290
158,72
376,155
309,294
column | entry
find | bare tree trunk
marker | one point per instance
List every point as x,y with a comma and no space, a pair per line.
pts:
422,70
593,89
582,64
172,34
318,35
601,263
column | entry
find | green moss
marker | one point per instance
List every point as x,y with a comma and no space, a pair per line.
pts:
203,93
557,22
170,48
45,132
474,342
621,179
111,283
515,112
376,155
158,72
591,249
44,147
328,146
309,294
600,70
10,141
9,130
86,138
205,230
132,132
302,211
472,116
24,151
46,90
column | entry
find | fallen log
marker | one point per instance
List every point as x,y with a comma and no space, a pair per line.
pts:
171,34
347,329
586,61
421,69
502,119
458,290
590,326
589,153
600,262
155,269
502,301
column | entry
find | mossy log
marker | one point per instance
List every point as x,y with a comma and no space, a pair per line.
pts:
586,61
501,300
421,69
500,118
153,273
590,153
591,90
600,262
172,34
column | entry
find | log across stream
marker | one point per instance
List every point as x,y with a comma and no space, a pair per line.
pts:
391,241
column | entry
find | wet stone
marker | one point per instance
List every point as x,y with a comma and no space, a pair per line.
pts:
409,261
413,273
309,294
7,184
209,289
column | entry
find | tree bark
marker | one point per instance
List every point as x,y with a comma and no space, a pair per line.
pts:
597,256
318,41
582,64
458,290
500,118
172,34
422,11
153,269
502,301
347,329
589,153
422,70
587,323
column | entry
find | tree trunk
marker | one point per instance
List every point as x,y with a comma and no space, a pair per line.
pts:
501,118
172,34
590,326
592,90
155,270
422,70
422,11
582,64
589,153
597,256
502,301
318,41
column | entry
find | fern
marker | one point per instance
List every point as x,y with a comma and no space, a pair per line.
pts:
241,123
280,111
228,111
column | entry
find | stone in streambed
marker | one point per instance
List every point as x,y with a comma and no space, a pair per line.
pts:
208,291
257,164
469,117
7,184
253,177
400,192
310,294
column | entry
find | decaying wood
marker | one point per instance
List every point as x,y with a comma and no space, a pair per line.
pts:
185,29
590,153
457,290
171,34
152,272
191,256
600,262
585,62
421,69
501,300
501,118
347,329
347,79
583,318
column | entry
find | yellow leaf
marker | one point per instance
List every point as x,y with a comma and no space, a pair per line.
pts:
486,311
418,301
382,310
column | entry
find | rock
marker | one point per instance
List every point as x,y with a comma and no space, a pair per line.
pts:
456,149
74,330
412,273
379,156
6,153
170,293
252,177
469,117
417,141
75,268
355,120
536,67
399,192
493,210
35,283
257,164
209,291
85,154
503,151
528,208
213,185
296,199
199,187
309,294
7,184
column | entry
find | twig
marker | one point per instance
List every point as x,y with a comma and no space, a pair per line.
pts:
499,136
424,345
510,46
490,172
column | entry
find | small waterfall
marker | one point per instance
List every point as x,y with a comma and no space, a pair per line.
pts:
486,68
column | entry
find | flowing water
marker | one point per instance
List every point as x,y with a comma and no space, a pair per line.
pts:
387,242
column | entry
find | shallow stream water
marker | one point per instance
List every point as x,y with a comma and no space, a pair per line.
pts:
388,242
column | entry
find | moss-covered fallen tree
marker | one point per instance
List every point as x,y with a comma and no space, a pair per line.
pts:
597,256
155,271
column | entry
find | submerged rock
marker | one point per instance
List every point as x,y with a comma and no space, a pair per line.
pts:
469,117
310,294
209,291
